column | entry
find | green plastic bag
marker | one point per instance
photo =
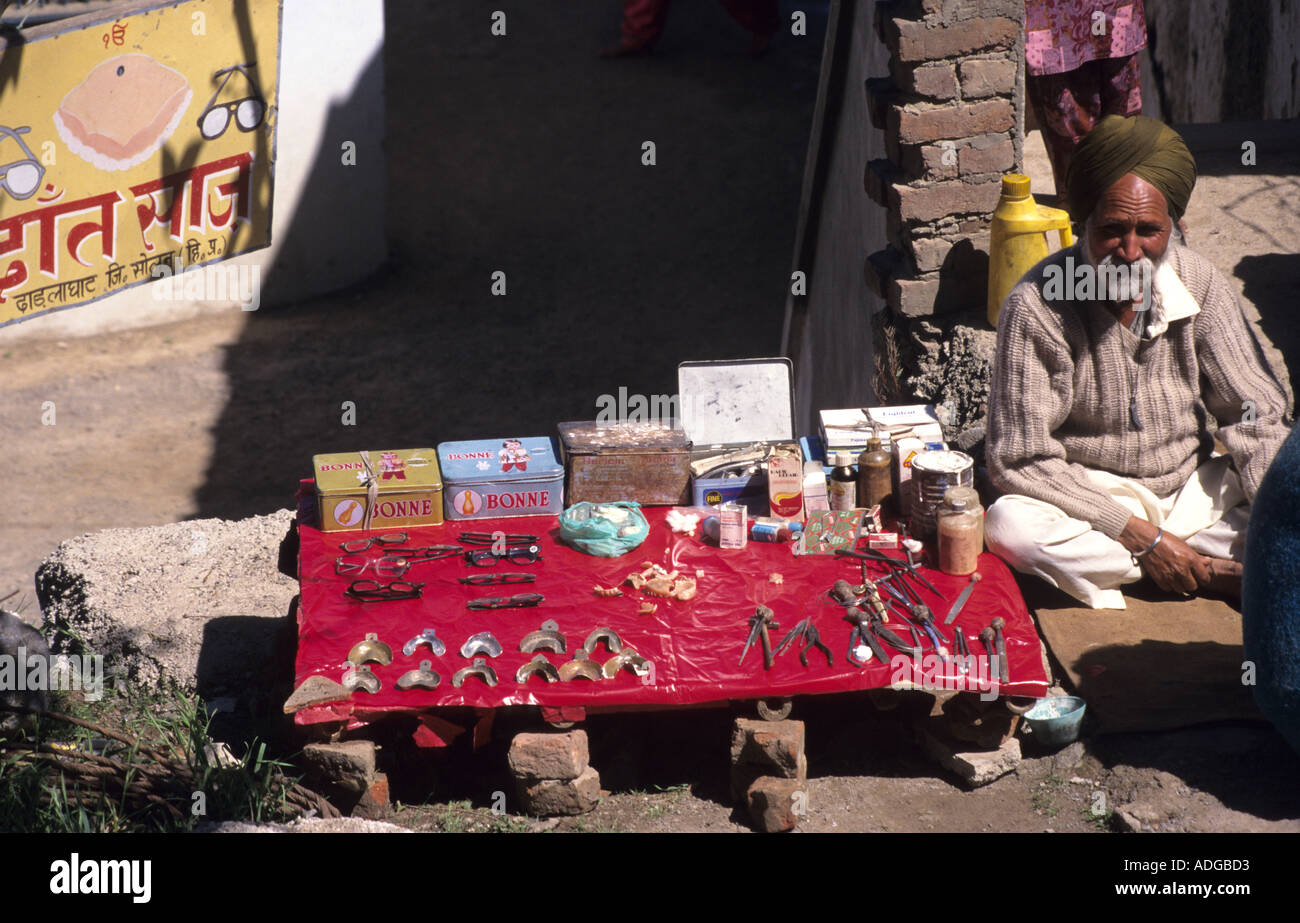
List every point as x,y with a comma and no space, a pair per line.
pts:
605,530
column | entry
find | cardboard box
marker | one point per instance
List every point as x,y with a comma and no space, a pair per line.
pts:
849,429
408,489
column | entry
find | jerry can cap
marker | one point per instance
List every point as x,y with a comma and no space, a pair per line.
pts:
1015,184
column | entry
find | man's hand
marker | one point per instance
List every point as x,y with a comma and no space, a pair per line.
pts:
1172,564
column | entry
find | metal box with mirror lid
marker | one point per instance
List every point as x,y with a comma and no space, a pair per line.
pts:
738,414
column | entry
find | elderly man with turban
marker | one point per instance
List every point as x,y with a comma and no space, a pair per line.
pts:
1104,395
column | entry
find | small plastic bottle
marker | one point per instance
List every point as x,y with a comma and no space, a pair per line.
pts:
843,484
767,532
961,531
875,484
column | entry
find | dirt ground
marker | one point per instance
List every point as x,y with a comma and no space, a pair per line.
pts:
530,156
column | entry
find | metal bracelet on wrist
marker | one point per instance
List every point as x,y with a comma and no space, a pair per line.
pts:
1160,533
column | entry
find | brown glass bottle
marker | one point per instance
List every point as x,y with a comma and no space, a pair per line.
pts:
842,485
875,484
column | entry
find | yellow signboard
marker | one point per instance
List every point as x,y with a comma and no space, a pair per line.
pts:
134,147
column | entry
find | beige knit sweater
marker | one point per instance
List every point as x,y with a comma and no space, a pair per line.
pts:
1062,379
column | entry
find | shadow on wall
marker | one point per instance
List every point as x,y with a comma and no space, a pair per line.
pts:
174,160
963,265
12,56
524,155
281,364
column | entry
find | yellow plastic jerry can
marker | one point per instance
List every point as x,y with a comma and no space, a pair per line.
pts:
1018,238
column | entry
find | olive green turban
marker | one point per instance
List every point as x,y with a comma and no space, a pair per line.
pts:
1136,144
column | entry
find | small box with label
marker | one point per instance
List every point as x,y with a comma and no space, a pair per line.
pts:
849,429
378,489
492,478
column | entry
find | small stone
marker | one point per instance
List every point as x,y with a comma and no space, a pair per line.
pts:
315,690
20,640
534,757
550,797
776,745
975,768
1138,817
1068,758
775,805
348,766
219,755
373,804
765,748
743,776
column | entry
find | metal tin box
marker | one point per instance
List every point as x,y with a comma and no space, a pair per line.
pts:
407,489
728,406
491,478
646,462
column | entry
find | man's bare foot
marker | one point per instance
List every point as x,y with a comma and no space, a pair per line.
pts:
1225,577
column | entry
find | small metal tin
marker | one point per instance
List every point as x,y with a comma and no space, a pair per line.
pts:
734,403
494,478
408,484
647,462
934,473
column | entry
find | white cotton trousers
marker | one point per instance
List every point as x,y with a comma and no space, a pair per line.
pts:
1209,512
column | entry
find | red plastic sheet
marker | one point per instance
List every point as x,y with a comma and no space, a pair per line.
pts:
694,646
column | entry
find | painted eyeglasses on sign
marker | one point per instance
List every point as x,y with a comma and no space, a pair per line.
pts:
248,111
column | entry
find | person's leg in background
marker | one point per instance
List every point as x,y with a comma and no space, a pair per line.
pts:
1068,105
1120,85
643,23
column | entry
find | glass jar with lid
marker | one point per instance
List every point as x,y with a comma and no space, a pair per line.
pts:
960,521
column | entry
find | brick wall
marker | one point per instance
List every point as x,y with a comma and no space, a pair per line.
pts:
952,112
953,123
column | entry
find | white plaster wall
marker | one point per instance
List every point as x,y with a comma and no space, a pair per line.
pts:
331,90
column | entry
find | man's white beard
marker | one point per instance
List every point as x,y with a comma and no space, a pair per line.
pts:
1121,282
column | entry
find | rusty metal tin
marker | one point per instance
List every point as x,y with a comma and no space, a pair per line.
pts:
646,462
408,489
